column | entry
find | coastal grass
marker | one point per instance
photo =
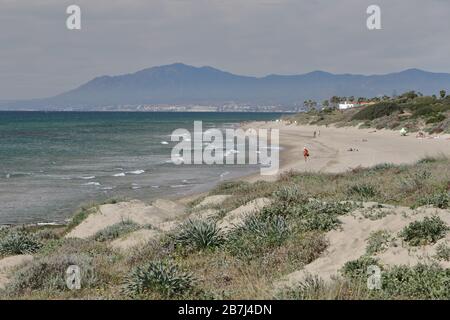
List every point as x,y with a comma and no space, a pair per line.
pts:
423,281
199,261
115,231
198,235
384,183
163,278
378,241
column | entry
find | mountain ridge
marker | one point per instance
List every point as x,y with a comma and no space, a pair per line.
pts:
178,84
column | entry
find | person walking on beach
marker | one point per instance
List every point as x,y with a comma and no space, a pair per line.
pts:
305,153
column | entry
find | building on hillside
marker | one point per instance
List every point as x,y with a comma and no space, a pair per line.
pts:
346,105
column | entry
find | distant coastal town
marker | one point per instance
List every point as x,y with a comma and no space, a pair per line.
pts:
194,108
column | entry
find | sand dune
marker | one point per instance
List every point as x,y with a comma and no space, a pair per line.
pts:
350,242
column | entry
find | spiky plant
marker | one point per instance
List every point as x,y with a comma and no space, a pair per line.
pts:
198,235
162,277
19,242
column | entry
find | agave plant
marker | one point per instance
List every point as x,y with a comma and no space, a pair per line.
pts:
159,276
198,235
257,235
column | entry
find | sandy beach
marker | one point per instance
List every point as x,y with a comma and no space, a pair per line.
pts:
337,150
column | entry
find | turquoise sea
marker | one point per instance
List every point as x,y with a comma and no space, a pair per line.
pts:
51,163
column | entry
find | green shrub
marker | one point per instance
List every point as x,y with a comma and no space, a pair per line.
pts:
358,268
382,166
400,282
436,117
300,249
278,209
115,231
415,181
419,282
161,277
311,288
289,195
322,216
258,235
49,273
320,221
331,207
428,159
424,232
362,191
18,242
439,200
46,235
378,241
198,235
443,252
230,187
377,111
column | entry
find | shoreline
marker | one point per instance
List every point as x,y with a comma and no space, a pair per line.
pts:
330,150
334,150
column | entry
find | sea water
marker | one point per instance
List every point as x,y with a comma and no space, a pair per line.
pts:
51,163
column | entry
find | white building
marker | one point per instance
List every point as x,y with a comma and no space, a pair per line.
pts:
346,105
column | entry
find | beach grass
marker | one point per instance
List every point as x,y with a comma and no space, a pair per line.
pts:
197,261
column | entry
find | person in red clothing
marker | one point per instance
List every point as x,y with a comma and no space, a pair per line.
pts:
305,153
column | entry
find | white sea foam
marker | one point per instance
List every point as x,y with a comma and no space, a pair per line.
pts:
119,174
92,184
48,224
88,178
136,172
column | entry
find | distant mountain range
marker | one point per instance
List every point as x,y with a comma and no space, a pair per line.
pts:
183,84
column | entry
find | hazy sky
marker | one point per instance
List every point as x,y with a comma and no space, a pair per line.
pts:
39,57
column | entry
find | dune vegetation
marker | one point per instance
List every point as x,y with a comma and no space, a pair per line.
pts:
411,110
205,258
